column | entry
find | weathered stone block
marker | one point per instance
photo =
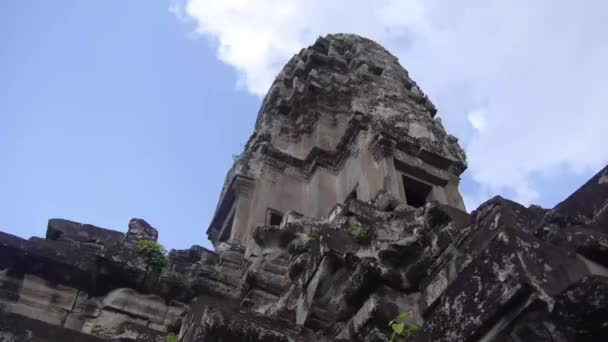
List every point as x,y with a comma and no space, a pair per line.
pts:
586,205
209,320
581,312
60,229
378,310
514,269
16,328
140,230
147,307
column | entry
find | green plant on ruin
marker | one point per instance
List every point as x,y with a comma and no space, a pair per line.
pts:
313,236
154,255
360,233
313,239
172,337
102,332
238,156
98,330
401,329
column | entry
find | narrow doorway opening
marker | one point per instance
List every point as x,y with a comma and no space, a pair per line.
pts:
274,217
416,192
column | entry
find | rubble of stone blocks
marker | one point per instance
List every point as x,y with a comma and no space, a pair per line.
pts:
92,280
502,273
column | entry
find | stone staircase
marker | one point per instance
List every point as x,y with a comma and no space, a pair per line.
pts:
267,284
231,264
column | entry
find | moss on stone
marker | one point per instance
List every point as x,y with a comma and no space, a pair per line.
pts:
360,233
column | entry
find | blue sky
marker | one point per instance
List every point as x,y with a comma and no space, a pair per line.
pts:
104,118
117,109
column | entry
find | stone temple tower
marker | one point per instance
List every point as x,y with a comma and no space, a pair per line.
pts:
342,119
341,215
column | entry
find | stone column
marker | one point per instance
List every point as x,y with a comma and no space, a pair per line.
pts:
242,188
382,151
453,196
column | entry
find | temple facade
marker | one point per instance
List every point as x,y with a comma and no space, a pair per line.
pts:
342,120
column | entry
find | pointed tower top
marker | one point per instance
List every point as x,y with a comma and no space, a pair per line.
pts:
342,119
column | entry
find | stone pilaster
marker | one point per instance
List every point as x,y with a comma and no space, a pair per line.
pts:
242,188
382,149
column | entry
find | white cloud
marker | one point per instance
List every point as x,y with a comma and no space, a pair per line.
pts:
521,82
477,119
257,37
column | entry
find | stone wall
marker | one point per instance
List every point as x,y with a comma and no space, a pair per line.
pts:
92,280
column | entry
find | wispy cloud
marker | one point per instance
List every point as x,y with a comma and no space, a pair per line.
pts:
522,83
257,37
477,119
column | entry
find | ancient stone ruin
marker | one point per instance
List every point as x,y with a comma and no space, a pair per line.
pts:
341,214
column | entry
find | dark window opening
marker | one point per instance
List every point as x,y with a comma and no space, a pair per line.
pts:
376,70
284,108
274,218
353,195
227,229
314,88
416,192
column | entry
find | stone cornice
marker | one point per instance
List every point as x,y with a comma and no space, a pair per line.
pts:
329,159
240,185
381,147
385,142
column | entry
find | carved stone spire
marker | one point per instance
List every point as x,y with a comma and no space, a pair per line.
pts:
343,115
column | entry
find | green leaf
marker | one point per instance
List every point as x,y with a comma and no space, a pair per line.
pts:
402,316
171,337
153,254
398,327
